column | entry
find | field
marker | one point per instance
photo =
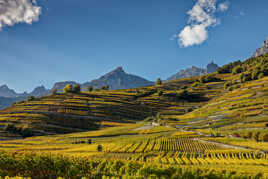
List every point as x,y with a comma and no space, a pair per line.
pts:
159,147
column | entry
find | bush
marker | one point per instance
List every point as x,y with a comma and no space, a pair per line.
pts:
90,88
195,84
229,67
105,87
89,141
77,89
158,82
184,87
237,69
256,136
54,91
261,75
208,78
160,93
227,85
31,98
244,77
68,88
99,148
23,131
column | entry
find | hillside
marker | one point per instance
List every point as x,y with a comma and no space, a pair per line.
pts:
234,93
63,113
212,126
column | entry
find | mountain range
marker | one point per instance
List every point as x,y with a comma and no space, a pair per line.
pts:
116,79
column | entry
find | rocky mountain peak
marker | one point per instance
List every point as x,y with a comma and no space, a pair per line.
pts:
39,91
5,91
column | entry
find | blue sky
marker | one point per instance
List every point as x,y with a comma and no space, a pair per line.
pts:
81,40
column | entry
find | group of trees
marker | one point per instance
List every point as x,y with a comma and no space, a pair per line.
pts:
77,88
208,78
22,131
251,69
256,135
72,89
229,67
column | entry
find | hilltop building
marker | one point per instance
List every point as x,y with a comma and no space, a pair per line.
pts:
212,67
262,50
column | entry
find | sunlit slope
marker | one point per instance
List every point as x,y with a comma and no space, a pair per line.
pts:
244,100
64,113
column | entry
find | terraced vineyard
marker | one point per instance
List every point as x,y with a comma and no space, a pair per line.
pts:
168,148
65,113
213,126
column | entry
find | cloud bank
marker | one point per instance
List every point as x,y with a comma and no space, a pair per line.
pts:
18,11
201,17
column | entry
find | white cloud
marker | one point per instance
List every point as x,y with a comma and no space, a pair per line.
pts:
224,6
18,11
201,17
193,35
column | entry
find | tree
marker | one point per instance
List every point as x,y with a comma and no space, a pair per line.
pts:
76,88
237,69
68,88
99,148
90,88
54,91
256,136
31,98
158,81
245,77
105,87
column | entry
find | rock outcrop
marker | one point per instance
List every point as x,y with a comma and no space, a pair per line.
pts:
262,50
195,71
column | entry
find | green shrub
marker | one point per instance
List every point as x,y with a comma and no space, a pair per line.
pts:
244,77
195,84
90,88
160,93
54,91
229,67
208,78
158,81
68,88
76,89
227,85
105,87
237,69
31,98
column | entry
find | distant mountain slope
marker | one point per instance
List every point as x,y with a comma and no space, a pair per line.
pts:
118,79
5,91
194,71
262,50
188,72
6,102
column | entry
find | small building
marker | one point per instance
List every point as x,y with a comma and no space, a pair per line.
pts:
212,67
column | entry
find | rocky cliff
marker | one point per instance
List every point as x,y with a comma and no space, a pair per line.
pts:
262,50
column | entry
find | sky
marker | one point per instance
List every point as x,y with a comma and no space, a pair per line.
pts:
47,41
